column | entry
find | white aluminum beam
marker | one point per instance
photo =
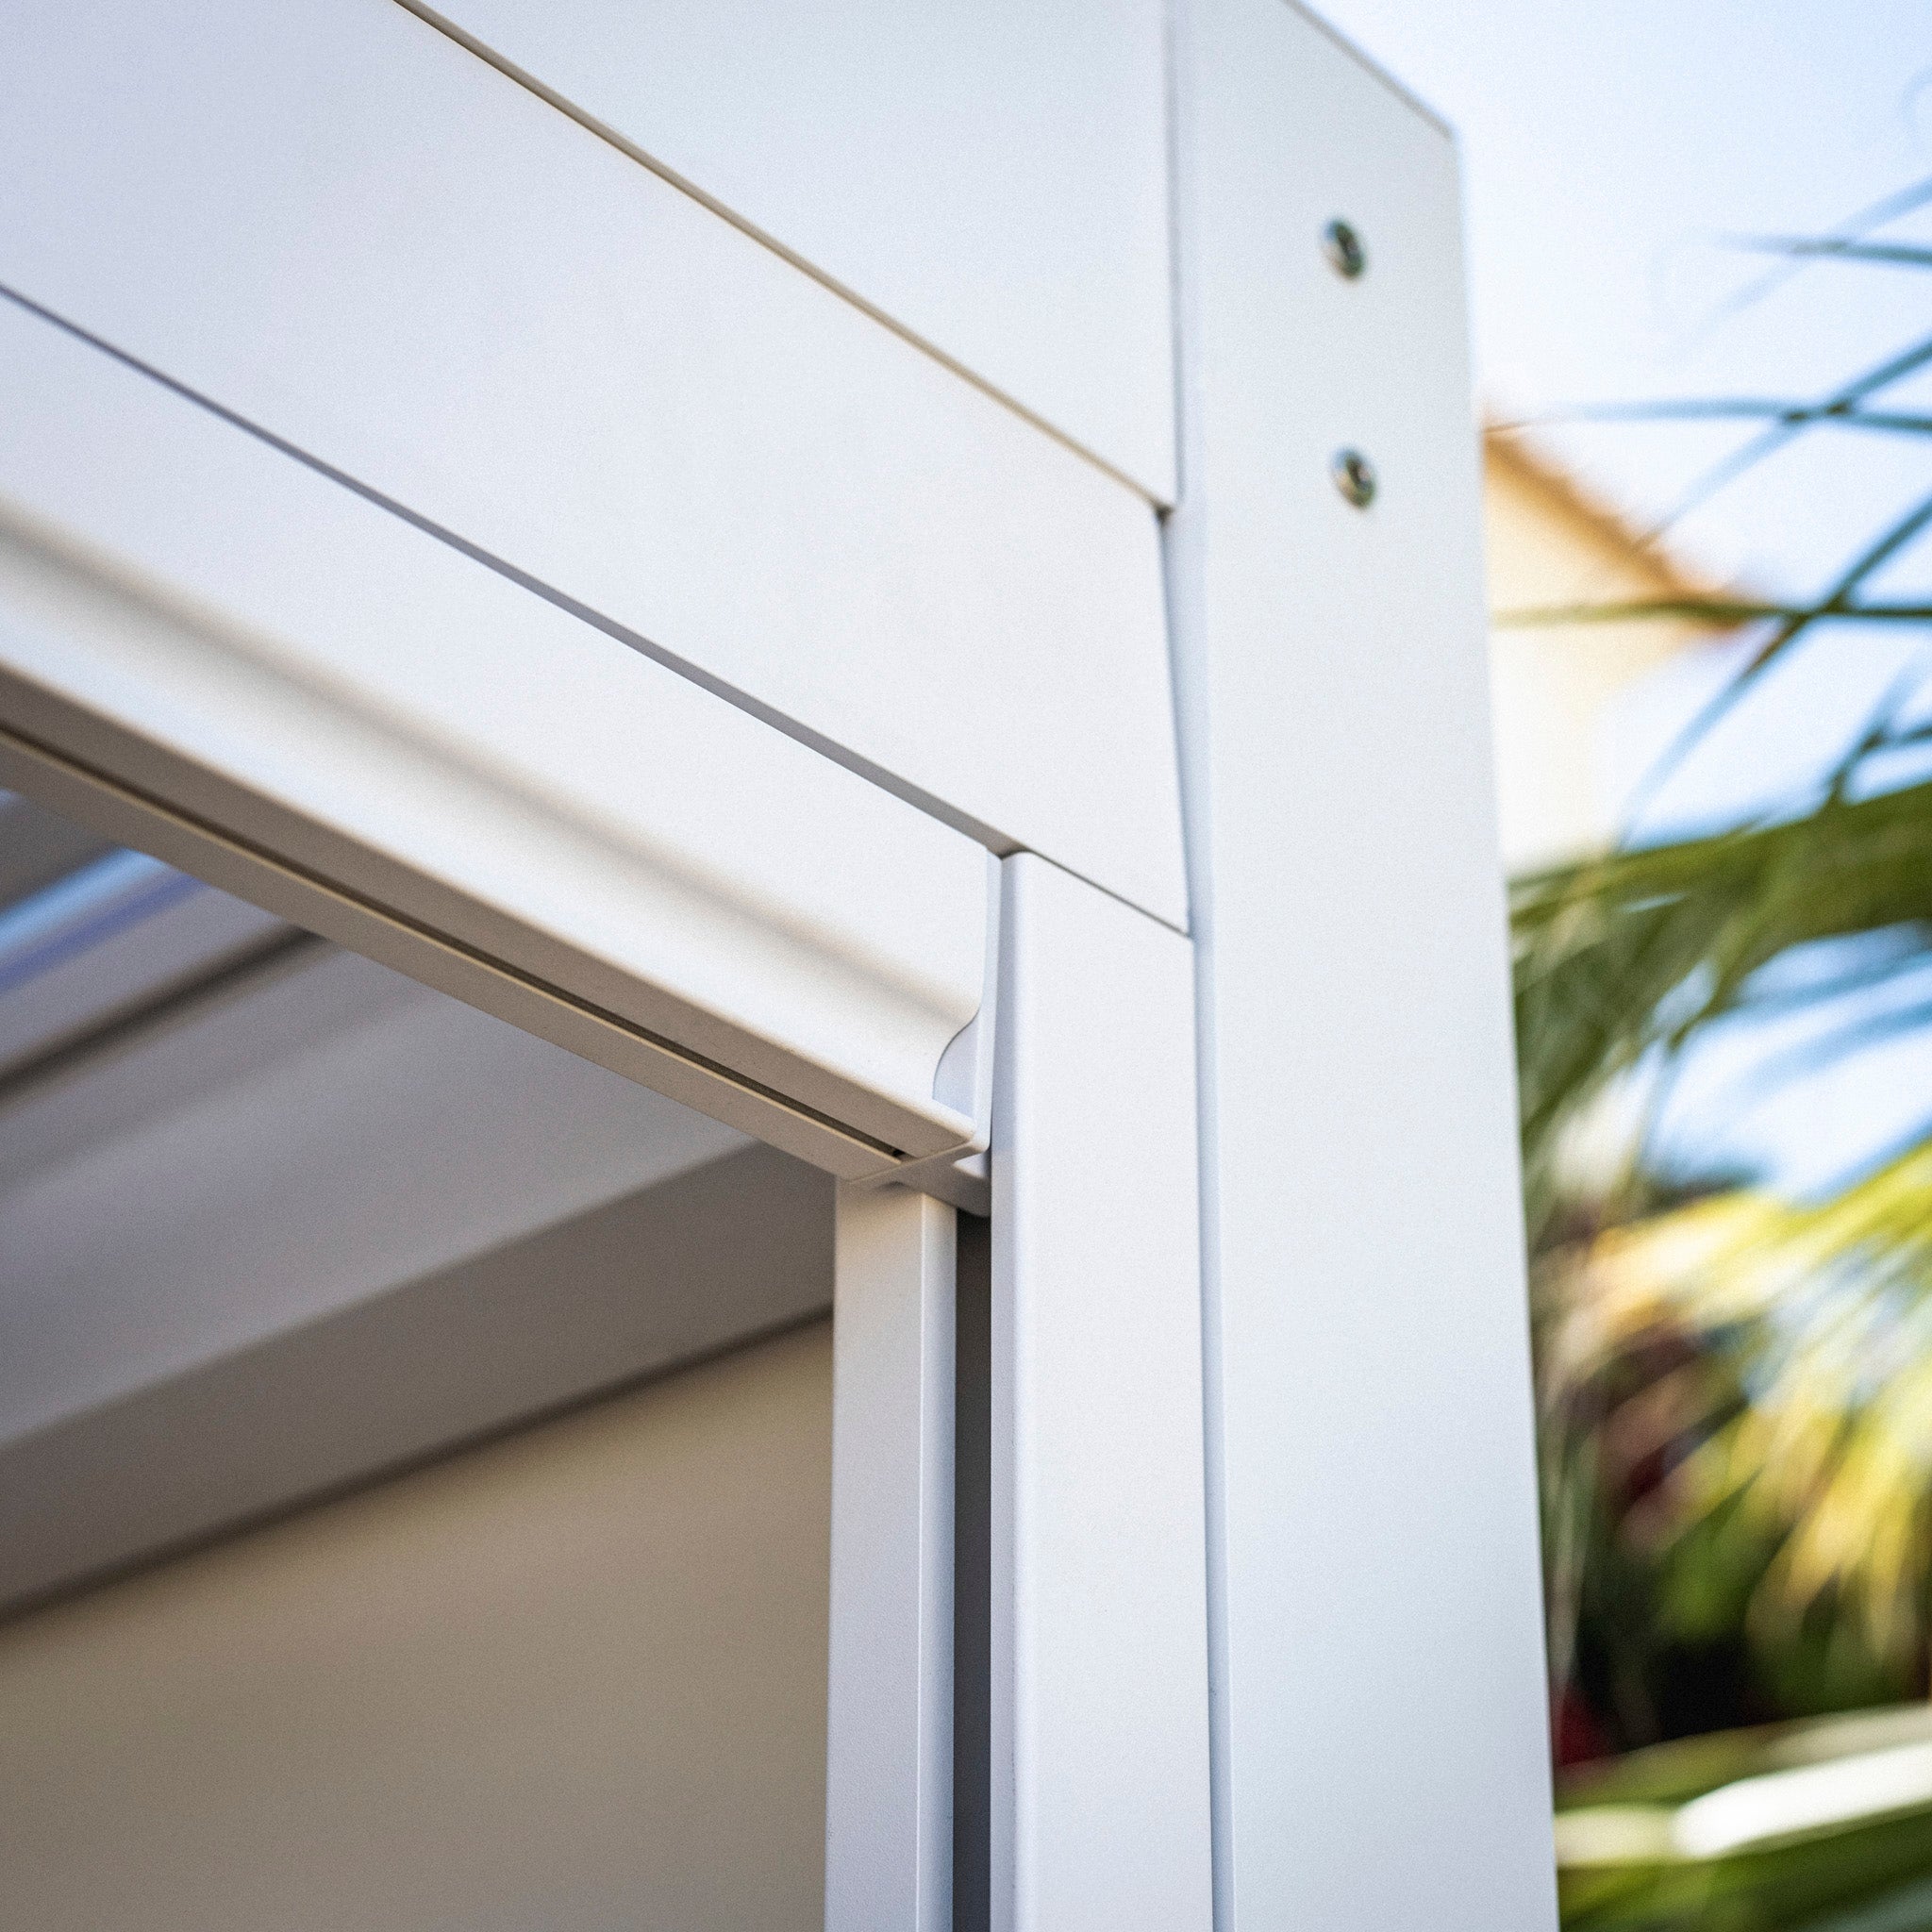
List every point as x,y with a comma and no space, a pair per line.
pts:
210,650
330,219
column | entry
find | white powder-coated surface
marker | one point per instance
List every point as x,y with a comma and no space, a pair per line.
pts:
360,236
1099,1728
249,641
990,174
1383,1746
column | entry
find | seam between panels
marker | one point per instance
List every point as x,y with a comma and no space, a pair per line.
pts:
988,836
684,185
371,907
1182,559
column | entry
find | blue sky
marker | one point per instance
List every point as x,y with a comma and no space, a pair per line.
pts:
1607,150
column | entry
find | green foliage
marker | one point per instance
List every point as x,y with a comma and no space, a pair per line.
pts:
1627,956
1638,1853
1736,1388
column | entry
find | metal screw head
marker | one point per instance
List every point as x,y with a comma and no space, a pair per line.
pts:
1344,250
1354,477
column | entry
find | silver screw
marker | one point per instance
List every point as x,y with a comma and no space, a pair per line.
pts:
1354,477
1344,250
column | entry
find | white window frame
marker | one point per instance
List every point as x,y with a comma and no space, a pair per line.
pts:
898,888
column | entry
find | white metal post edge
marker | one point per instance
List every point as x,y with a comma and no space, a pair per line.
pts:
1099,1671
889,1772
1380,1745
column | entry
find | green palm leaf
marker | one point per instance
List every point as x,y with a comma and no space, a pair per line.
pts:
1620,957
1828,1309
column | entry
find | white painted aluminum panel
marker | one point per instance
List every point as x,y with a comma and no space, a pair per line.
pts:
991,177
1382,1755
336,221
459,776
1100,1815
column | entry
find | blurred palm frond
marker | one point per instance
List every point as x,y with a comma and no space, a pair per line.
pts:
1826,1310
1621,960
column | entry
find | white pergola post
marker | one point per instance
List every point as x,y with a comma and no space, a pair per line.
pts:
1099,1675
1098,1679
1381,1756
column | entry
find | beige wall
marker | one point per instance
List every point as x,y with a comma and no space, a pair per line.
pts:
574,1679
1555,688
